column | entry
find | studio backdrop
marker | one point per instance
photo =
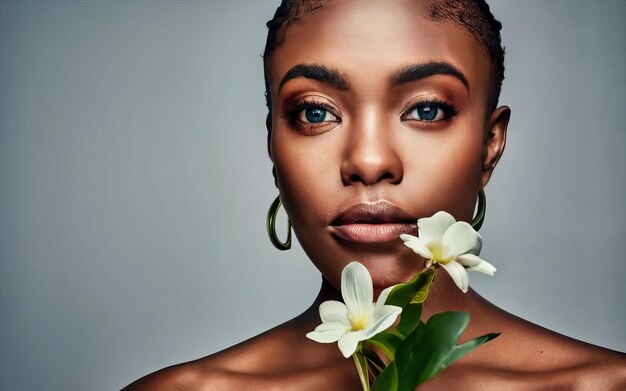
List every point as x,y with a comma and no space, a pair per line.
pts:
134,184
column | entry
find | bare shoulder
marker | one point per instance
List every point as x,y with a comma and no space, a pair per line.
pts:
589,367
207,373
187,376
608,373
529,357
583,368
231,368
265,362
550,358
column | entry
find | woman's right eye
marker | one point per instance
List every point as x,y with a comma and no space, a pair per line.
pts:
311,117
316,115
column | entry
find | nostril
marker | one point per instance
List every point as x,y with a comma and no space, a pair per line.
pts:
368,167
355,178
386,175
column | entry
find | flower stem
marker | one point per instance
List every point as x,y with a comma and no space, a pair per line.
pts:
361,367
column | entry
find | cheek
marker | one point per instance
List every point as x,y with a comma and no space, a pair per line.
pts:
304,167
444,168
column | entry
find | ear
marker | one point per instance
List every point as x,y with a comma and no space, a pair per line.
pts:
268,126
494,141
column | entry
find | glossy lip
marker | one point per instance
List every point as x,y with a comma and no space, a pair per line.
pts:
379,222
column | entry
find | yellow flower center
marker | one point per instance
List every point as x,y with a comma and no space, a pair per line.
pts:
438,249
358,322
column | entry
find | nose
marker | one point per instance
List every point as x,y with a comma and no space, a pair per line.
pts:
370,156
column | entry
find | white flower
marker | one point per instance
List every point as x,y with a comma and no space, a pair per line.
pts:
454,245
359,318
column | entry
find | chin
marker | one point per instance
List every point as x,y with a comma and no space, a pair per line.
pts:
392,271
389,268
389,263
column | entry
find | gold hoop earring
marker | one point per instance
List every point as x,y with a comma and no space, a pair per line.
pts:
271,227
477,221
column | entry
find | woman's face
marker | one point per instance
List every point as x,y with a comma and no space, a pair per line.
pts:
393,112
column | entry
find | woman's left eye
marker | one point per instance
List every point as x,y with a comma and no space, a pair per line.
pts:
430,111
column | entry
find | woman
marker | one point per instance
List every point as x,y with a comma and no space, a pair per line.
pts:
383,112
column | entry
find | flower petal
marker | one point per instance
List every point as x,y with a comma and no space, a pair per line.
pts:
417,245
458,274
384,317
459,239
477,246
357,289
475,264
334,311
431,229
382,298
328,332
349,342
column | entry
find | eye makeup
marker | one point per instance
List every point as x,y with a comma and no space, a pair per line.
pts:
430,110
310,115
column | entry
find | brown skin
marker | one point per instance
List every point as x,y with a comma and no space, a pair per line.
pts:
377,153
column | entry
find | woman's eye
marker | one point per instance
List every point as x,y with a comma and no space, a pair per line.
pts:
430,112
316,115
311,117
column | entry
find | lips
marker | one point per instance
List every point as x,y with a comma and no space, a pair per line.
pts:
379,222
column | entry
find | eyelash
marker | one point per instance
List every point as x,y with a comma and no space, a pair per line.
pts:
293,109
448,108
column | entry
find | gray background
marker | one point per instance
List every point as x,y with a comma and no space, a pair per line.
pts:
134,184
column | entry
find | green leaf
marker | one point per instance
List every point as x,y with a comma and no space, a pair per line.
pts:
423,285
387,380
462,350
361,367
409,318
431,347
414,291
387,342
408,352
377,365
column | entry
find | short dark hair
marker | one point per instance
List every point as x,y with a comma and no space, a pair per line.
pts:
472,15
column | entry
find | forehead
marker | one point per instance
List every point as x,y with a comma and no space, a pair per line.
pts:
366,39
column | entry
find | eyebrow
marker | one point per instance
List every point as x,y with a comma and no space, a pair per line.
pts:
317,72
412,72
403,75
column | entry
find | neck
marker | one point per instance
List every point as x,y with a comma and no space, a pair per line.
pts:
444,296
